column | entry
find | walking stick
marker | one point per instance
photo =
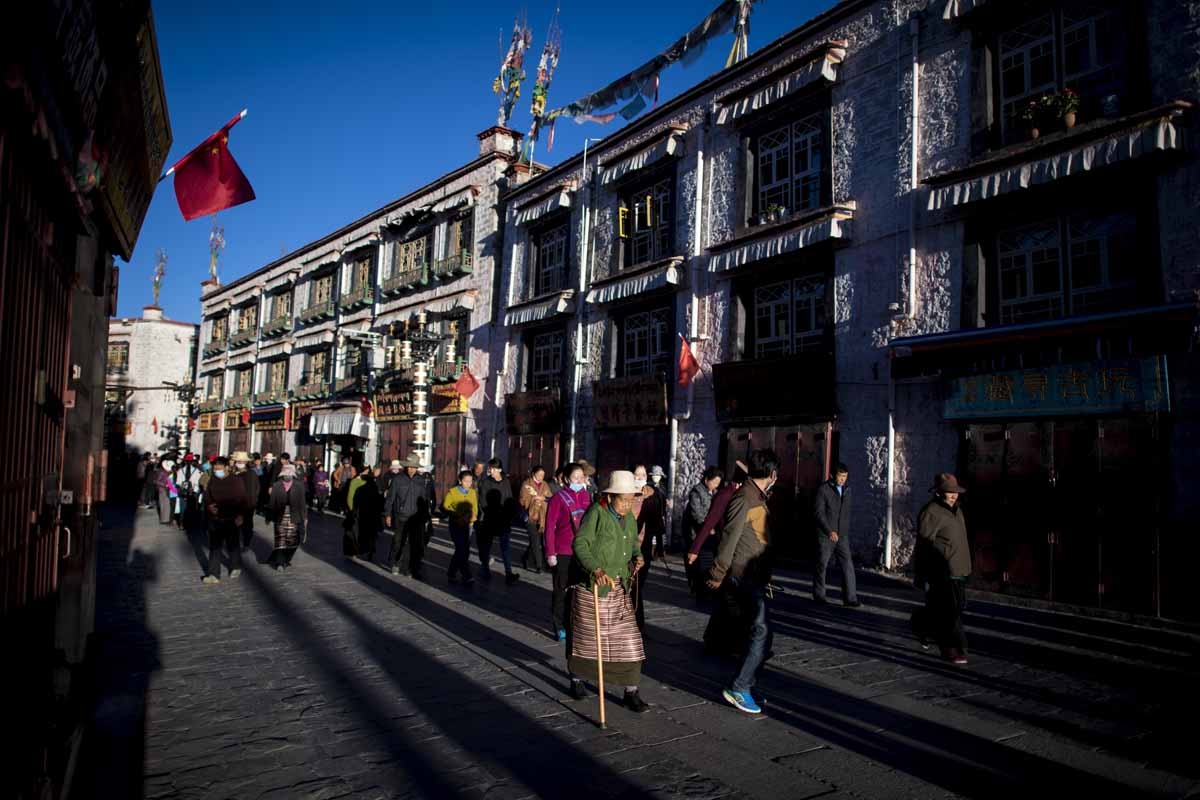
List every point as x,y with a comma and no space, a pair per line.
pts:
599,650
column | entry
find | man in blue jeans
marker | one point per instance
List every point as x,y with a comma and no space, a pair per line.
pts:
743,568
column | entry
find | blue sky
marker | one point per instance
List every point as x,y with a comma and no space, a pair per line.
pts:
355,103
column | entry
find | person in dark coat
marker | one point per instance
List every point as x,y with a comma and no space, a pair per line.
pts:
497,511
832,513
699,501
227,504
249,479
408,511
288,510
943,560
367,506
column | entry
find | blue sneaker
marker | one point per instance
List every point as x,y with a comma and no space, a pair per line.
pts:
562,635
742,701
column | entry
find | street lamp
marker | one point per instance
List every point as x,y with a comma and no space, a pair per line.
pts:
424,343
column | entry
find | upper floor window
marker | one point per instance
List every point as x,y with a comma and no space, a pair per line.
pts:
218,329
789,316
281,305
460,234
360,273
456,331
648,343
645,219
316,367
790,162
322,287
277,375
1068,266
248,317
118,356
546,360
216,386
550,259
245,382
412,254
1081,46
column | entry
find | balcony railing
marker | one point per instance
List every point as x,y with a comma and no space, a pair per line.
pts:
209,404
446,370
238,401
243,338
270,397
116,369
358,297
214,347
314,390
281,324
323,310
406,279
453,265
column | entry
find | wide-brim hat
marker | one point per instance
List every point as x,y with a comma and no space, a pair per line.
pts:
945,482
657,472
240,455
413,461
587,468
287,471
621,481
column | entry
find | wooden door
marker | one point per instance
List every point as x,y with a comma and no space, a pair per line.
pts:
271,442
447,451
210,444
239,440
530,450
395,440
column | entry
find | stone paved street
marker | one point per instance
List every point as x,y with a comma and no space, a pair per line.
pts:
336,679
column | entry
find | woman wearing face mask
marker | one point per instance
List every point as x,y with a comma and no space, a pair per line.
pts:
607,553
289,513
564,512
651,524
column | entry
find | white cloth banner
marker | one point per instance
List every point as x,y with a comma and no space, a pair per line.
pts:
561,199
670,146
825,67
339,422
795,239
636,284
536,312
1154,136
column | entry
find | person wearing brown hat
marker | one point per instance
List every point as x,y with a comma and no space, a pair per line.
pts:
249,478
288,507
408,512
943,564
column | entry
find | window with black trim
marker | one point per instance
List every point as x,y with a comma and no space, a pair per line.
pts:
316,367
219,325
248,317
245,382
647,343
456,333
646,220
545,355
413,254
1083,47
460,235
118,357
277,375
281,305
322,288
790,158
216,386
788,316
1070,265
551,245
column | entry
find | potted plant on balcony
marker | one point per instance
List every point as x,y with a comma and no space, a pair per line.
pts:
773,213
1066,107
1034,114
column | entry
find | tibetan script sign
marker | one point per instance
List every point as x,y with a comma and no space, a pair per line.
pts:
445,399
1099,387
209,422
639,402
301,412
272,419
533,412
394,406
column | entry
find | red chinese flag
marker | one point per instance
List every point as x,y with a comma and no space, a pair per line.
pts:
466,385
208,180
689,367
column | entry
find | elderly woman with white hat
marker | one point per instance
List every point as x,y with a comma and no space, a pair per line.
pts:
607,554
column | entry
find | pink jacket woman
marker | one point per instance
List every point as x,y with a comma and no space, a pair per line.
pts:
563,515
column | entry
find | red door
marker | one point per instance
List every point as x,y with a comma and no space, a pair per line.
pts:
210,444
271,442
530,450
239,440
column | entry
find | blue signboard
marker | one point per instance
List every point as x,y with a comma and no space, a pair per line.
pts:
1097,387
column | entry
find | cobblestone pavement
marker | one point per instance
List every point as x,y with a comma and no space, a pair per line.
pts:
336,679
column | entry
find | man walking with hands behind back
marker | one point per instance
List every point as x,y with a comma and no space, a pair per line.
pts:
833,536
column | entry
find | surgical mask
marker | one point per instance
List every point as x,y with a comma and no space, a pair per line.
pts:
638,483
218,473
206,467
578,487
395,470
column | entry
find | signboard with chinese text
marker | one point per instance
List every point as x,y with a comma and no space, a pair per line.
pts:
300,414
394,406
209,422
236,420
533,412
445,399
1099,387
273,418
639,402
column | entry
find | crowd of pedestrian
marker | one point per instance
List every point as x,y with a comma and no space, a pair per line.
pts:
598,544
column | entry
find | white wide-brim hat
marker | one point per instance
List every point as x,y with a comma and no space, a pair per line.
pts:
621,482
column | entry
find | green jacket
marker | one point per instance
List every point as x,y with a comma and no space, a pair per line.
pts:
608,542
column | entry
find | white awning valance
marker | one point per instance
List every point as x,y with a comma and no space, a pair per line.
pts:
460,199
240,359
245,296
672,145
836,226
447,305
213,365
823,67
1156,135
339,421
408,216
314,340
619,289
279,281
957,8
274,350
560,199
541,310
